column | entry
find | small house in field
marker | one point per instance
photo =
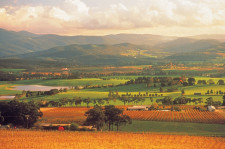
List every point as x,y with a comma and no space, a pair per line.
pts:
137,108
211,108
197,93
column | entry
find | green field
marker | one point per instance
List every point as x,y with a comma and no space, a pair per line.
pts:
12,70
70,82
95,93
6,89
175,128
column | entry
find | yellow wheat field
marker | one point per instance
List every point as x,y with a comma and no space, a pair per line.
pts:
27,139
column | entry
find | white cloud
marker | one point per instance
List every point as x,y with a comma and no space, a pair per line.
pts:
75,15
59,14
78,6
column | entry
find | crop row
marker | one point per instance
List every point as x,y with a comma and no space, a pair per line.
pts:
175,116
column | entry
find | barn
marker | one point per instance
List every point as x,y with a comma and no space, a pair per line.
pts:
137,108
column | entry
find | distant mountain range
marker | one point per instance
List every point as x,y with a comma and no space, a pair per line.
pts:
14,43
109,49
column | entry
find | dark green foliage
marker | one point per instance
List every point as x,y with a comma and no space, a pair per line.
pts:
220,82
87,101
209,101
73,126
191,81
166,100
112,115
180,100
95,117
175,109
20,113
77,101
223,100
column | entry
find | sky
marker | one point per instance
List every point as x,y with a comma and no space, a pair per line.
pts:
102,17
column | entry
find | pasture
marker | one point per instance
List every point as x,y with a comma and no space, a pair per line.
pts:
200,129
12,70
6,89
102,92
70,82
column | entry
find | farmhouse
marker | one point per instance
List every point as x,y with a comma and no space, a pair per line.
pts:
137,108
211,108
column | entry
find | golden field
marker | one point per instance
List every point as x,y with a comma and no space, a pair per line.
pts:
28,139
69,115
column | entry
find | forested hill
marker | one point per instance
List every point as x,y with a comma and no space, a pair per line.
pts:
91,54
204,54
14,43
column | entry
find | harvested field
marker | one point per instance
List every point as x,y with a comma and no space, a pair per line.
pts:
103,140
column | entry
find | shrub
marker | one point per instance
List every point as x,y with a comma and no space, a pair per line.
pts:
74,127
175,109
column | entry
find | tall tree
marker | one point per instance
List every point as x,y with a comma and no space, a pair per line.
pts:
20,113
223,100
95,117
87,101
191,81
220,82
124,119
78,101
113,116
209,101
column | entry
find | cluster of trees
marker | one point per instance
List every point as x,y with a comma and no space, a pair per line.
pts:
6,76
184,100
218,92
152,81
211,102
19,113
38,93
13,76
169,81
179,100
211,81
109,115
76,100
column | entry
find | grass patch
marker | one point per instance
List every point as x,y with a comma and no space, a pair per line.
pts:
176,128
6,89
12,70
70,82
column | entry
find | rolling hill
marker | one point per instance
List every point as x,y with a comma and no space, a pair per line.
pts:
90,54
14,43
183,45
202,54
106,50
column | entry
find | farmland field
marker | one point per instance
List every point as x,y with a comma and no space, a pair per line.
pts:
104,140
175,116
6,89
70,82
69,115
63,115
199,129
